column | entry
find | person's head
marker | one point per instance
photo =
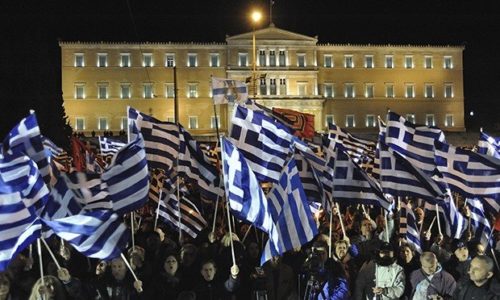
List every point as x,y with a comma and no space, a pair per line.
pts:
380,221
460,250
171,264
153,241
51,290
208,270
118,268
136,256
406,253
4,285
321,249
101,267
419,214
429,263
366,228
481,269
385,255
253,250
189,254
341,248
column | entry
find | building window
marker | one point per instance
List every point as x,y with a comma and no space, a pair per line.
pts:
389,61
169,60
103,124
102,91
214,122
282,86
262,58
272,86
282,58
80,91
301,60
192,60
79,60
448,121
80,123
411,118
262,86
125,60
371,121
448,62
272,58
389,90
409,90
193,122
124,123
302,88
448,90
369,61
328,92
350,121
192,90
328,61
214,60
147,59
428,62
348,61
429,120
349,91
409,61
243,59
169,90
369,90
102,60
148,91
329,120
125,90
429,90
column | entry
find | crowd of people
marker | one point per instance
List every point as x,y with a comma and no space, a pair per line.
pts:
360,265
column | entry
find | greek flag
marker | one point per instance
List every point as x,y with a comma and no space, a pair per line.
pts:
228,91
351,183
408,227
294,224
415,143
161,139
98,234
264,142
195,165
23,194
488,145
25,137
87,189
244,193
471,174
109,147
360,150
480,222
455,223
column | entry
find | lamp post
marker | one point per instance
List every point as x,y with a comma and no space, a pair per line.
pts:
256,16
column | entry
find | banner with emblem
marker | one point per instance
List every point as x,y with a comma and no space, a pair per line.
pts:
228,91
302,123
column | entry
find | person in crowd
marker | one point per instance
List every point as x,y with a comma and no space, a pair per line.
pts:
6,293
381,278
420,217
481,284
279,279
142,269
167,285
345,253
119,285
459,263
431,281
189,266
211,287
50,288
21,275
439,247
409,260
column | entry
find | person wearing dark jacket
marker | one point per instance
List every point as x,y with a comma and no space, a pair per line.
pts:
482,284
211,287
279,279
459,263
431,281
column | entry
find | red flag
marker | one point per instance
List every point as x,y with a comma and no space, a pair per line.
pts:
302,123
78,149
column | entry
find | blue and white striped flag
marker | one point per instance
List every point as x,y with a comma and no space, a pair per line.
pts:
161,139
455,223
480,222
228,91
294,224
264,142
25,137
488,145
244,193
471,174
408,227
108,146
414,142
360,150
23,194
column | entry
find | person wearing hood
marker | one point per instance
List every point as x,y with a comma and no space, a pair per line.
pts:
459,263
482,284
382,278
431,281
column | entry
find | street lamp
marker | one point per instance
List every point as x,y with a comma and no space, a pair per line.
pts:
256,16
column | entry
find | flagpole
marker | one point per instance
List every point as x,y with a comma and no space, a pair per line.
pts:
51,254
330,234
179,205
158,209
341,222
132,212
246,233
40,261
131,270
438,221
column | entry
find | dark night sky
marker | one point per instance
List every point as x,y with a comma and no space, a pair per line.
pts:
30,58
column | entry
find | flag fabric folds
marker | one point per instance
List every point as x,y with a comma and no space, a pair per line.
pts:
408,227
108,146
360,150
488,145
478,219
228,91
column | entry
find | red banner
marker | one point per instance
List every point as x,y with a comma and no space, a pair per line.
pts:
302,123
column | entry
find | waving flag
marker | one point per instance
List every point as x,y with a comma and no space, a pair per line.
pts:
415,143
244,193
108,146
23,194
228,91
360,150
480,222
488,145
408,227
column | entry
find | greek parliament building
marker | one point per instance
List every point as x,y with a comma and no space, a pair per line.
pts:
349,85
